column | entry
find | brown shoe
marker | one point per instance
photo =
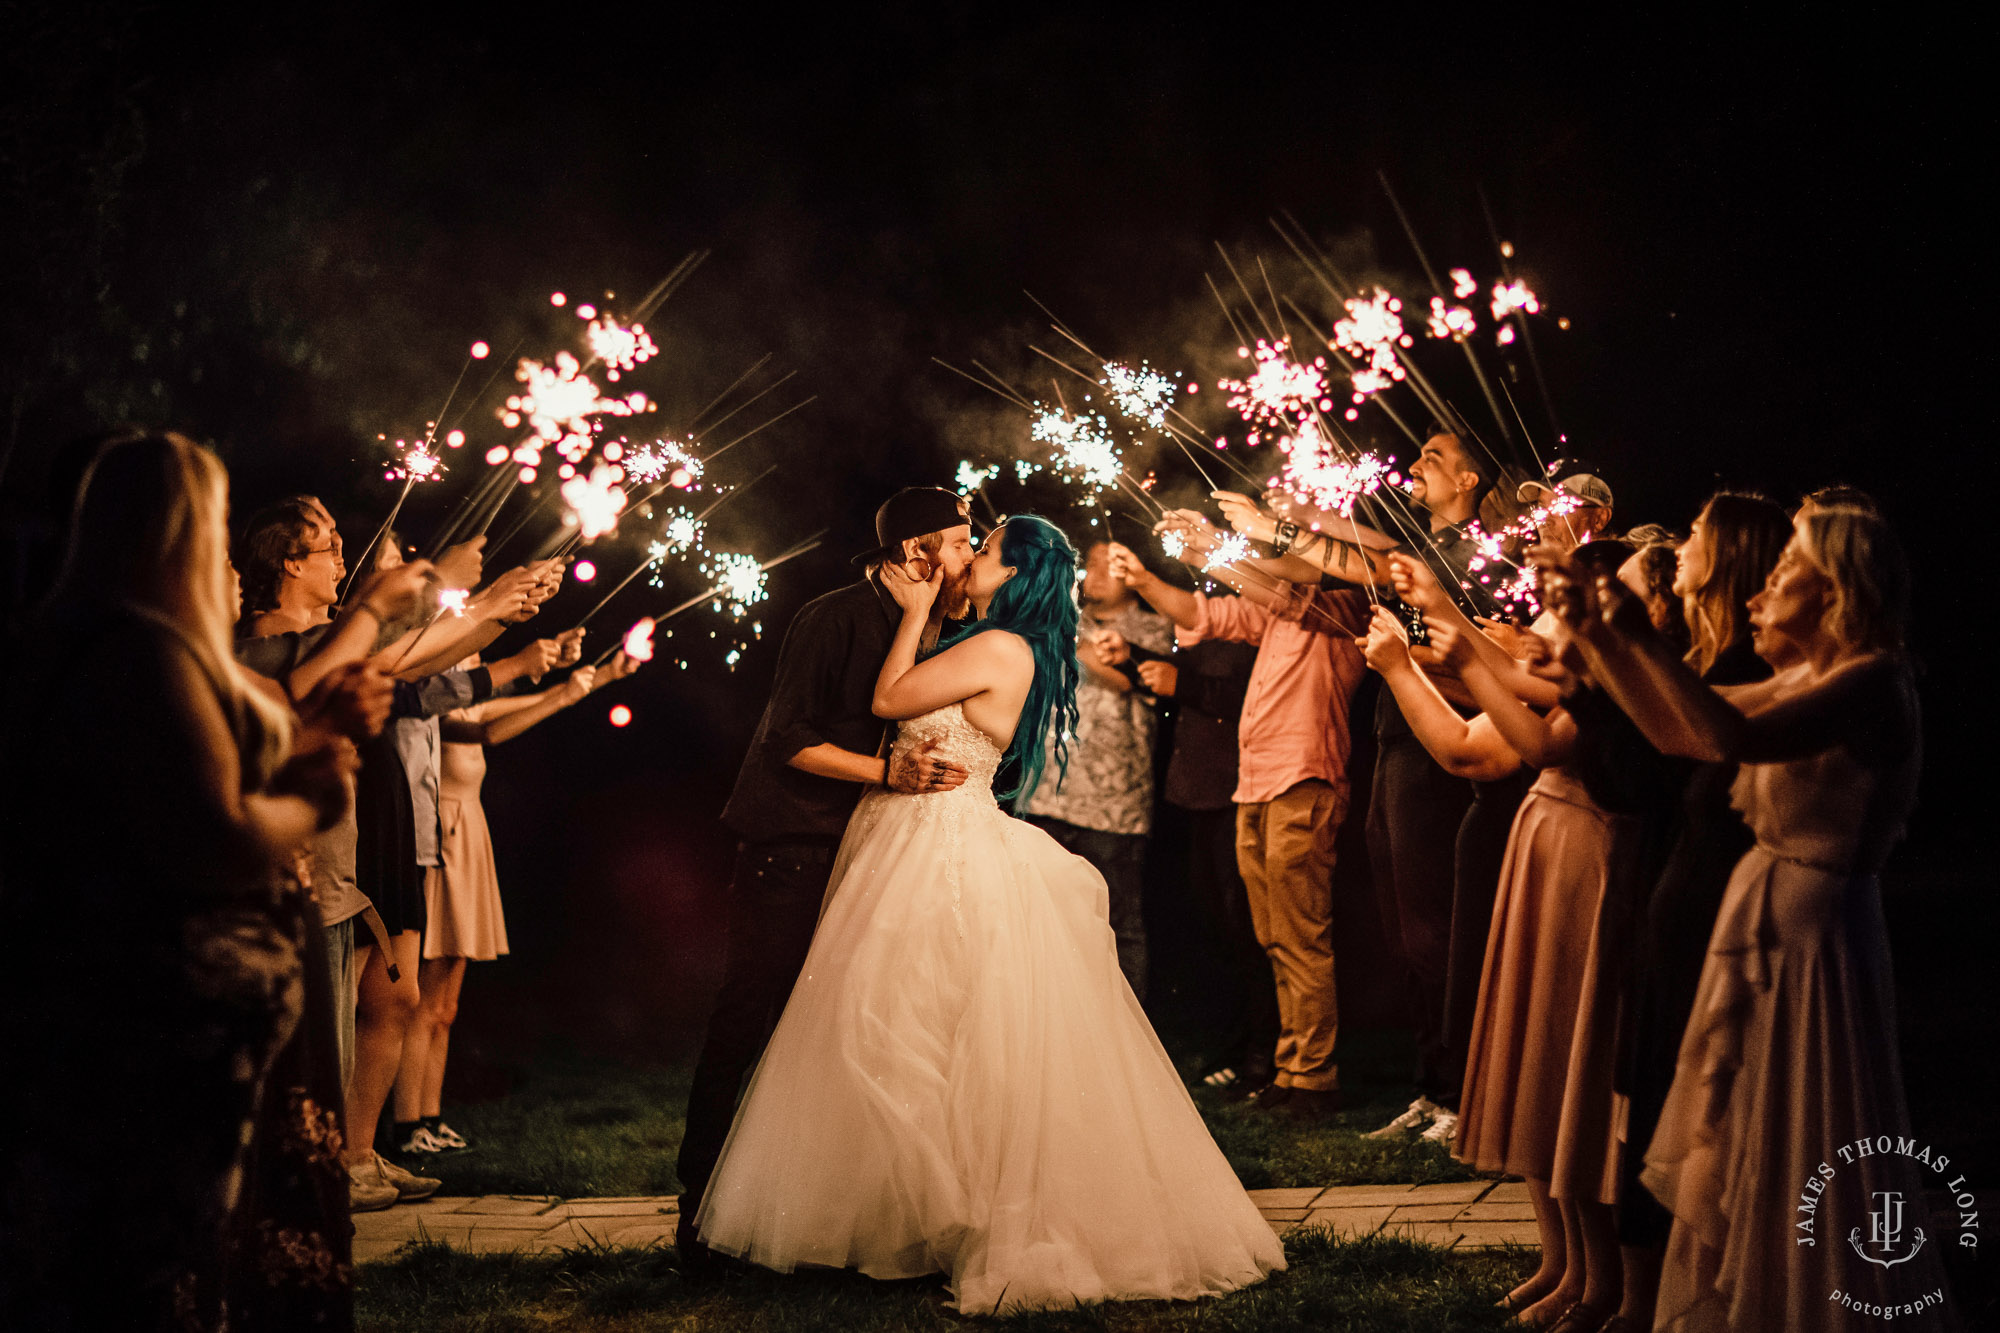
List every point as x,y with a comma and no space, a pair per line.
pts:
1271,1097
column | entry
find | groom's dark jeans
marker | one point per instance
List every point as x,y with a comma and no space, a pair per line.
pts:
774,901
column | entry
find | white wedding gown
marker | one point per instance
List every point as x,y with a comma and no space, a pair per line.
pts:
963,1082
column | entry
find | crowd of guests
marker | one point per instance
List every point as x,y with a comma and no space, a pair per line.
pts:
243,790
1626,853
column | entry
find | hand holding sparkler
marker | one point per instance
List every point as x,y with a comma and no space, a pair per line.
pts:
393,594
1161,677
462,565
570,647
506,598
1386,645
534,661
1417,585
1244,515
1447,635
1111,648
1197,537
1126,566
580,683
352,701
622,664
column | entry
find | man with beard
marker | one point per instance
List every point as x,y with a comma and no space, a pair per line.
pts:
1433,890
818,745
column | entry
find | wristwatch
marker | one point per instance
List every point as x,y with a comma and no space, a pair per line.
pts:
1282,540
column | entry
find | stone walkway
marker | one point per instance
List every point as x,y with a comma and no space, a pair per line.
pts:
1470,1215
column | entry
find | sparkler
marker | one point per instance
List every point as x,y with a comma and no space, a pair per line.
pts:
1315,474
1143,394
743,575
597,501
972,479
1371,333
638,641
620,347
1281,392
1082,447
1232,548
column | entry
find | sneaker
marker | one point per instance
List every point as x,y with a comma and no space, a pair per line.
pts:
1422,1111
1443,1129
422,1143
1311,1105
409,1186
367,1191
448,1136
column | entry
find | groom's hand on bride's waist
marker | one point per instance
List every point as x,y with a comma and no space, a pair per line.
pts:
918,770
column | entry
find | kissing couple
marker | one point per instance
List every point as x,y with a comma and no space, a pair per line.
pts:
959,1078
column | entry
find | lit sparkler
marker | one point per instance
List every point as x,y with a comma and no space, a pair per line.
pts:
663,460
619,347
596,501
555,400
1233,547
1314,473
1511,296
1281,392
739,581
415,462
1082,445
638,641
971,479
1143,394
1371,333
452,600
1174,543
1450,321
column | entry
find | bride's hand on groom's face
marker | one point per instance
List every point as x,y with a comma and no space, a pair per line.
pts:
910,592
918,770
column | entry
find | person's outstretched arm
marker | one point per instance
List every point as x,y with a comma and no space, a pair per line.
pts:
1464,749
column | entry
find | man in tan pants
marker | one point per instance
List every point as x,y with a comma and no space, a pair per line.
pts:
1291,790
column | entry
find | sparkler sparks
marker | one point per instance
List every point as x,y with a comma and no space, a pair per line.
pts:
452,600
1450,321
1143,394
1314,473
1462,283
972,478
1281,392
1371,333
638,642
618,347
1511,296
667,460
1082,445
556,400
1233,547
739,581
1174,543
415,463
597,501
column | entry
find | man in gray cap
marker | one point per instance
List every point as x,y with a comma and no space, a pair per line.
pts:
818,745
1574,503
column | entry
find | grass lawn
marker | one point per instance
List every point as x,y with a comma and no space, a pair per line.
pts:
575,1126
1330,1286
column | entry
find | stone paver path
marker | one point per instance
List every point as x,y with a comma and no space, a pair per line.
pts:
1471,1215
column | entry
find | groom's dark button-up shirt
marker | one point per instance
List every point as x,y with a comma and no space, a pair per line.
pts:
823,694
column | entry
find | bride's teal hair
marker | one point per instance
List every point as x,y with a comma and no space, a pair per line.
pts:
1039,604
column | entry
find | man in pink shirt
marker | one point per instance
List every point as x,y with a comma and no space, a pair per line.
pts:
1291,791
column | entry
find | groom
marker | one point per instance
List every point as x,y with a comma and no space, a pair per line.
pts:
818,746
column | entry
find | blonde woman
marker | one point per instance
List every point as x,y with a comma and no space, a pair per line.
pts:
1791,1050
152,797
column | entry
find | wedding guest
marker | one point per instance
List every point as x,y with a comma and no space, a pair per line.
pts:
1537,1097
1102,810
150,795
1730,550
1791,1050
1291,790
462,903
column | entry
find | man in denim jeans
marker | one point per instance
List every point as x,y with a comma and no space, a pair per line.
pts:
817,747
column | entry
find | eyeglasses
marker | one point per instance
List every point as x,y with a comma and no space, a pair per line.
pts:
332,547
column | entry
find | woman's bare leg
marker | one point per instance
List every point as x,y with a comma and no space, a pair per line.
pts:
1641,1266
1603,1270
1569,1290
382,1017
1549,1227
420,1078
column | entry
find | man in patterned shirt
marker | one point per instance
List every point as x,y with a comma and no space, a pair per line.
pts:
1103,808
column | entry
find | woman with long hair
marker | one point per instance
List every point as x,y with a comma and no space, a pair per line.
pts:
962,1080
153,803
1791,1048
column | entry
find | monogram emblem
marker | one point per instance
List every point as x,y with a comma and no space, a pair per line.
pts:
1885,1232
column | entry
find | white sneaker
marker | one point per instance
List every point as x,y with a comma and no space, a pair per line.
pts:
422,1143
1443,1129
1420,1112
408,1184
449,1137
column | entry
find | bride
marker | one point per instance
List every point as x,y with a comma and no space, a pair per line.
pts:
962,1081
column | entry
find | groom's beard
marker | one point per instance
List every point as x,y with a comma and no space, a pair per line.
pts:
951,601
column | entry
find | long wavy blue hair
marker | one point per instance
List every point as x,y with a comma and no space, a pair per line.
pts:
1039,604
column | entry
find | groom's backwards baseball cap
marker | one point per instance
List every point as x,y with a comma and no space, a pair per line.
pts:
913,512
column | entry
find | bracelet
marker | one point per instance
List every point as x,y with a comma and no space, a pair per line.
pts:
1282,541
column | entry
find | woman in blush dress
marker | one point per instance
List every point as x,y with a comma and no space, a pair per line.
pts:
963,1081
1790,1053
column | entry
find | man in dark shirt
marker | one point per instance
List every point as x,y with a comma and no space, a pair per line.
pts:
817,747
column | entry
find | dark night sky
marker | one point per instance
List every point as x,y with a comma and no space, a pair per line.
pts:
1761,246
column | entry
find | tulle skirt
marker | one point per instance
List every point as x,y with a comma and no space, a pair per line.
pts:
963,1083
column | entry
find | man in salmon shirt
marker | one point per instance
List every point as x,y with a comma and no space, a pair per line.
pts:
1292,791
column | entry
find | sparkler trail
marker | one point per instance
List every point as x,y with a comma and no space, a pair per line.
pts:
1506,253
719,589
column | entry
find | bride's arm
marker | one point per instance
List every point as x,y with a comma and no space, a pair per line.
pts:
905,688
